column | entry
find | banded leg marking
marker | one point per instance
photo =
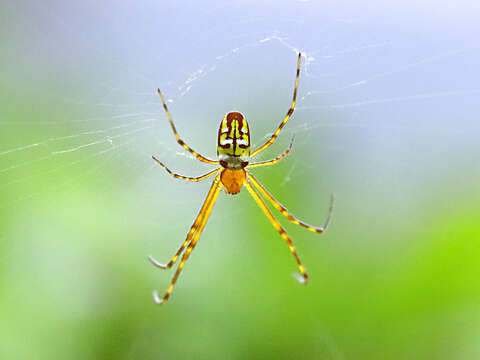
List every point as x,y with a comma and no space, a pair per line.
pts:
192,230
286,213
217,187
289,113
280,230
188,178
273,161
179,140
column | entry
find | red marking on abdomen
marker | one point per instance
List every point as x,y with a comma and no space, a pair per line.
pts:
234,116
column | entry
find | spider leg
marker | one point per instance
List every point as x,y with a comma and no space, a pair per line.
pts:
179,140
286,213
192,230
178,176
289,113
273,161
206,210
279,228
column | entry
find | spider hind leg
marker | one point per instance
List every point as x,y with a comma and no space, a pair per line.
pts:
281,231
194,235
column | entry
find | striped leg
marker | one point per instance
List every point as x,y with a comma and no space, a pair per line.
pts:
273,161
216,187
280,230
289,113
178,176
193,228
285,212
180,141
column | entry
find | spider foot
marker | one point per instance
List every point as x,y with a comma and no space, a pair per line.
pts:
302,279
330,211
156,263
157,299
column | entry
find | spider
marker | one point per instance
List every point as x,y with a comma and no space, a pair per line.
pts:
233,150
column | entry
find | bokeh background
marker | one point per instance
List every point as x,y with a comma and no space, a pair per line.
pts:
387,120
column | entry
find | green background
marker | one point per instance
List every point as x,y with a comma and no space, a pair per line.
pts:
387,121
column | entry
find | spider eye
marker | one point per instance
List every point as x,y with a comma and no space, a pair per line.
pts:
223,163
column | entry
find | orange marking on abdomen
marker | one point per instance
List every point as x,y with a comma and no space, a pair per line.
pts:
233,180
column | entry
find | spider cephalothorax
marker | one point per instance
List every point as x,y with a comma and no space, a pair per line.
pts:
233,150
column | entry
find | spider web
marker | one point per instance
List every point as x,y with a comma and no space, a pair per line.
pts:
385,103
121,118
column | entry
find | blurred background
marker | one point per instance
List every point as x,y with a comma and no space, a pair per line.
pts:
387,120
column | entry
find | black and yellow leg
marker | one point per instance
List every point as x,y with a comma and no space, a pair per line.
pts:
273,161
289,113
188,178
179,140
192,230
285,212
279,228
196,231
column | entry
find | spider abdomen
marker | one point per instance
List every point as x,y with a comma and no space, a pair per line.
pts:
233,180
233,146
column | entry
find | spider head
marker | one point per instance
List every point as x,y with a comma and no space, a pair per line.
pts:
233,148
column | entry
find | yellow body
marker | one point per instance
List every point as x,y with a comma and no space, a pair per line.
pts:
233,150
233,147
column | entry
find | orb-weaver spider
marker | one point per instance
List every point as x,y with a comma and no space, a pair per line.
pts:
233,150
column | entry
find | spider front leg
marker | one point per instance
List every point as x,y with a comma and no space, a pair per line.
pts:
195,231
289,113
179,140
280,229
